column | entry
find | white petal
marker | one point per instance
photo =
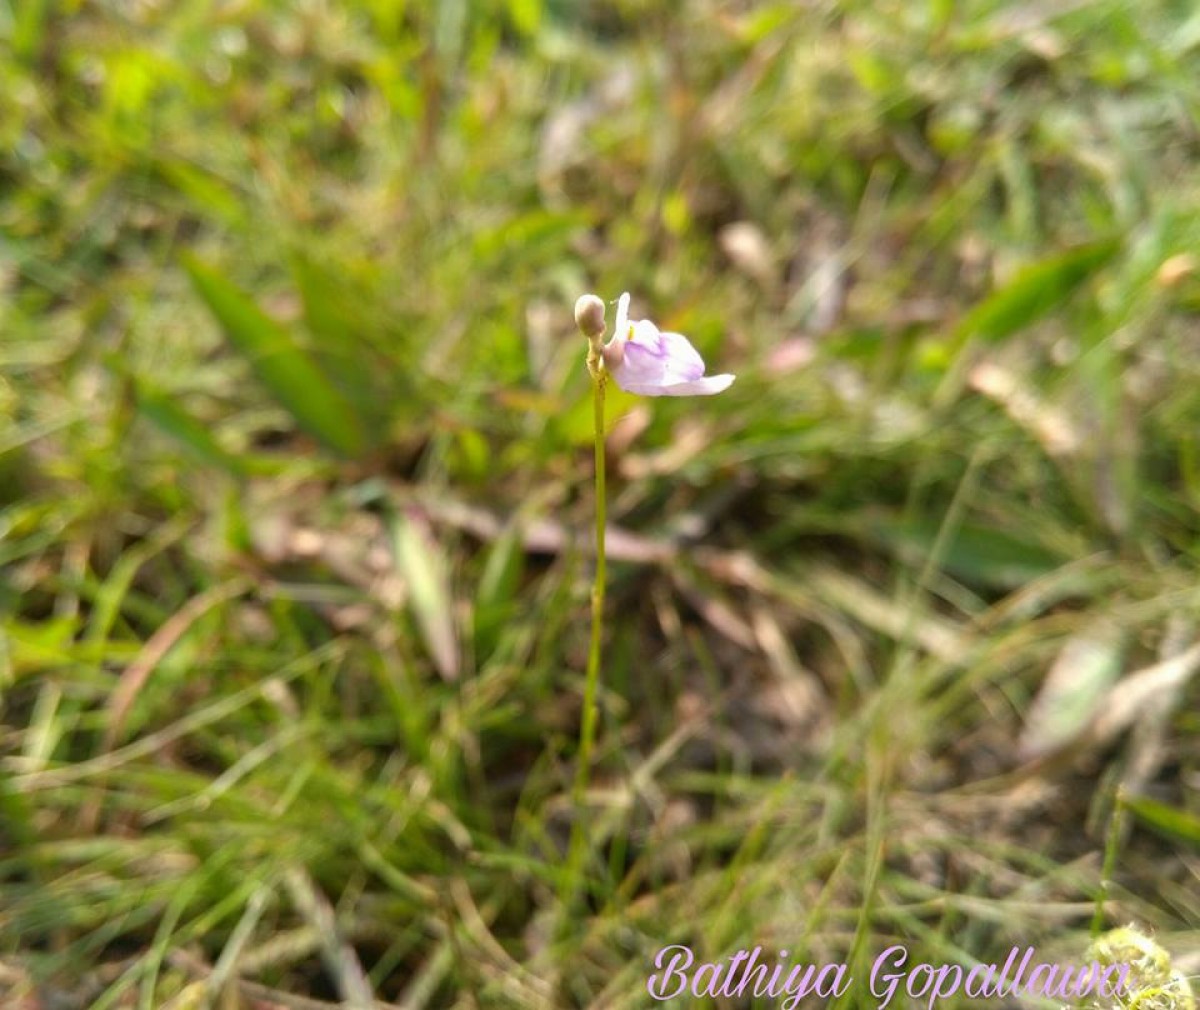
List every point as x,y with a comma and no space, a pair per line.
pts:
706,386
621,329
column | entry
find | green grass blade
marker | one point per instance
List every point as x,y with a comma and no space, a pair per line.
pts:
424,568
166,415
495,601
1036,291
1165,819
283,368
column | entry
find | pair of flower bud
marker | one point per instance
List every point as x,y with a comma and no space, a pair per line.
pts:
644,359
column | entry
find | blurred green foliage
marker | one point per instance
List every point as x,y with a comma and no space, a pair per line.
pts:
294,485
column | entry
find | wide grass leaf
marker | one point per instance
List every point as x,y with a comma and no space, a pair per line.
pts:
165,414
1036,291
1074,688
365,361
1165,819
299,386
495,599
979,555
421,562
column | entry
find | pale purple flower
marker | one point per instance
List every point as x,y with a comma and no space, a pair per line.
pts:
648,362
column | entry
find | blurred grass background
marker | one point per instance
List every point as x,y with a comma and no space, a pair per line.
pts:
295,491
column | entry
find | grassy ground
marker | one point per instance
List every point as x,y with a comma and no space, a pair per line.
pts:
295,492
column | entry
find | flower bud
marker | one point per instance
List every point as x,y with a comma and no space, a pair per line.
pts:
589,316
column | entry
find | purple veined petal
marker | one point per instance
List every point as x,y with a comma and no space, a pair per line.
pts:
653,357
685,360
643,364
706,385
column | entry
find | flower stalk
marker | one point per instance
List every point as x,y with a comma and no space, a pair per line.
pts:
587,736
589,314
647,361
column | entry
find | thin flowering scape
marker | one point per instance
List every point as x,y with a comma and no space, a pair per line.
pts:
643,360
649,362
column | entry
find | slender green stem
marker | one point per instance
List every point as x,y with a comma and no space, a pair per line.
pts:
1111,845
587,734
